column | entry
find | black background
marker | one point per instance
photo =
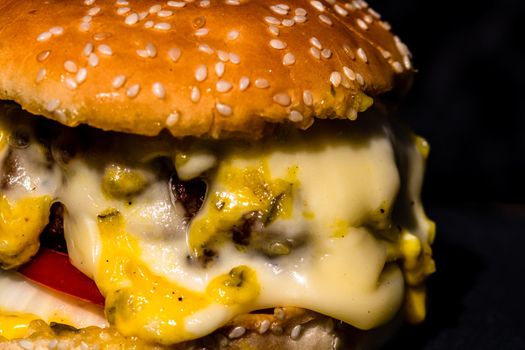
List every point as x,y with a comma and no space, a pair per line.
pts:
468,101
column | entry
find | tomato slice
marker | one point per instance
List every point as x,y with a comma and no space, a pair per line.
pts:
52,269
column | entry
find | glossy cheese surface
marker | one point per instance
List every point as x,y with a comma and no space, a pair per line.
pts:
322,220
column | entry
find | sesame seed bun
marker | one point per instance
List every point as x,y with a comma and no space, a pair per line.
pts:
201,68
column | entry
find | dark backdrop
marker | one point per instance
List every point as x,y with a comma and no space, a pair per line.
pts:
468,98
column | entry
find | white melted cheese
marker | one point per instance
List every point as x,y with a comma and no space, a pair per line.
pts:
346,184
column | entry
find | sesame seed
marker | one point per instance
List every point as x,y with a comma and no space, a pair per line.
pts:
121,11
223,86
237,332
277,44
195,95
349,73
244,82
70,66
264,326
142,53
201,31
105,50
219,69
84,26
151,49
131,19
262,83
315,52
70,83
40,75
101,36
233,35
61,114
165,13
288,59
42,56
52,105
348,51
234,58
272,20
299,19
118,81
89,2
173,118
282,99
162,26
174,54
56,31
143,15
93,60
296,332
345,82
149,24
407,63
158,90
223,56
283,6
155,8
325,19
300,11
335,79
386,54
368,19
307,98
278,10
362,24
204,3
81,75
93,11
385,25
177,4
201,73
340,10
133,91
44,36
122,3
374,13
316,43
233,2
295,116
288,22
318,5
362,55
403,49
205,48
226,111
398,67
25,344
87,19
326,53
360,79
274,30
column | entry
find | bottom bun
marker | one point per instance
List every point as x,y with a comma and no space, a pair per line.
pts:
287,328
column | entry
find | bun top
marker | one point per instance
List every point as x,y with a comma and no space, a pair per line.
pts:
196,67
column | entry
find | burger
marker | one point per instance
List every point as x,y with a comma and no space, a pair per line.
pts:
220,174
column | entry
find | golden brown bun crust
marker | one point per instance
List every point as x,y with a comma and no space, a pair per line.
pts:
37,38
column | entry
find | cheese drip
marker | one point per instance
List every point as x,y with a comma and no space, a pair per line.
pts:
307,219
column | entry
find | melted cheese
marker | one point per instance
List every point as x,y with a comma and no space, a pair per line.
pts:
320,208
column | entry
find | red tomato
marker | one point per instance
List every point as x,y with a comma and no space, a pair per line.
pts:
52,269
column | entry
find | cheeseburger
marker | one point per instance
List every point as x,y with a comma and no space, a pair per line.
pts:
219,174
